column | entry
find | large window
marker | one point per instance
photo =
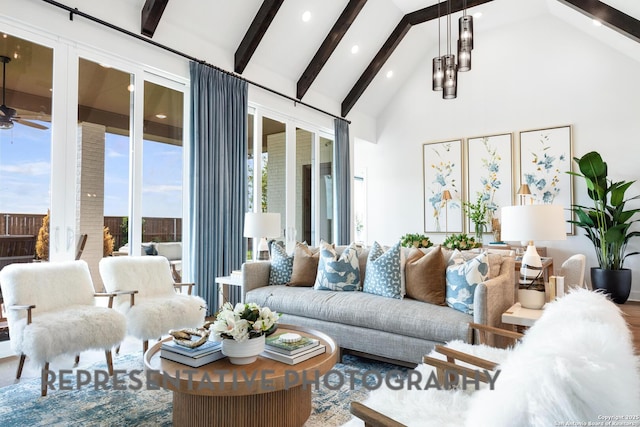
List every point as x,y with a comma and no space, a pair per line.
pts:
25,144
290,171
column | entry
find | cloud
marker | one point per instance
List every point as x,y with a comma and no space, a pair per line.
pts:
161,188
113,153
27,168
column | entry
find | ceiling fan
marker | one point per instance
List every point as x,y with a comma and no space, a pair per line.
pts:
10,115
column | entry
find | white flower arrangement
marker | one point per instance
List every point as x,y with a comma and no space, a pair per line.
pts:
244,321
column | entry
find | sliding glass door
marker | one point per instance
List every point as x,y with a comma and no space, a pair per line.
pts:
295,178
25,150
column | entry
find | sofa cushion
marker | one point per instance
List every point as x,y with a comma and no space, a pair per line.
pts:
405,317
462,278
281,266
305,265
425,276
385,271
338,272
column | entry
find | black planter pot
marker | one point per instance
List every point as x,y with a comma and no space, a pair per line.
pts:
616,283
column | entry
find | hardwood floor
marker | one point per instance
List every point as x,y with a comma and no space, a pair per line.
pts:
631,309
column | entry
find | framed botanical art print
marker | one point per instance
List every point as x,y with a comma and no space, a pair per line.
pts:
442,171
490,174
545,158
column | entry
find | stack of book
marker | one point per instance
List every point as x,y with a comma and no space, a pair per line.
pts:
208,352
291,352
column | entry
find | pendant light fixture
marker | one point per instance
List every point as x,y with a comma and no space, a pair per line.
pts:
438,64
450,84
465,39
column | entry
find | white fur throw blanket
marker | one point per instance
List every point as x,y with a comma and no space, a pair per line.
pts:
575,365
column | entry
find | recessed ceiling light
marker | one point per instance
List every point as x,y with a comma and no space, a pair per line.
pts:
597,23
306,16
355,48
161,116
477,15
389,74
130,88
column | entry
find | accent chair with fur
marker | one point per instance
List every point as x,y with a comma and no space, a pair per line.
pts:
148,296
51,312
575,364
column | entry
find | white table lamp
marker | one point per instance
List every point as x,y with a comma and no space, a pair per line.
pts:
529,223
262,225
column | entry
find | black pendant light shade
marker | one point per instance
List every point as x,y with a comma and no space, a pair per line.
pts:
450,84
438,73
465,30
464,56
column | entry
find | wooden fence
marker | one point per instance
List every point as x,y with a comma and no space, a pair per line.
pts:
154,229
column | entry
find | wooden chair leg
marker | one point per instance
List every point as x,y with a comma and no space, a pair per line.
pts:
77,359
109,362
145,346
20,366
43,384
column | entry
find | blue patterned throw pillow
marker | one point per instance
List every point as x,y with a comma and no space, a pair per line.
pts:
338,273
281,266
384,271
462,279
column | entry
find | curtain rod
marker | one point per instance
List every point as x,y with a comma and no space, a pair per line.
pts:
75,11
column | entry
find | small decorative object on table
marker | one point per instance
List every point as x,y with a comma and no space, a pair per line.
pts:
415,241
242,329
461,242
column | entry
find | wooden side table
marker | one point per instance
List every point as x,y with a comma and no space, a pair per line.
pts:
224,285
521,317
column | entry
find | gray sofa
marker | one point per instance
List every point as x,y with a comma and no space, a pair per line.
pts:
402,330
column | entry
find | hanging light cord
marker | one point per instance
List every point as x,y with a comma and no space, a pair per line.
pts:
448,27
439,53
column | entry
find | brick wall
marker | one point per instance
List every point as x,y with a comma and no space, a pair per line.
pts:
90,194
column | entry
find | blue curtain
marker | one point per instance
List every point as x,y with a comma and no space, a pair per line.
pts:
218,177
343,181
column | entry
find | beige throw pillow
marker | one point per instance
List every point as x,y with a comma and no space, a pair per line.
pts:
305,265
426,276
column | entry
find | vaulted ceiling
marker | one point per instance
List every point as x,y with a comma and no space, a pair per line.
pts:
391,35
314,60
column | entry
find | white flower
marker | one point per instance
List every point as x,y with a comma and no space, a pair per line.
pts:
231,322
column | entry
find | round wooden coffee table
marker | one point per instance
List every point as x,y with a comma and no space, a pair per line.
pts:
266,393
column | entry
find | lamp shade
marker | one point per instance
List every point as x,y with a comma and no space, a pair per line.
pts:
261,224
533,222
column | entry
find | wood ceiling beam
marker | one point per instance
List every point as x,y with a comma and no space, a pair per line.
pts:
329,44
254,34
613,18
151,13
410,19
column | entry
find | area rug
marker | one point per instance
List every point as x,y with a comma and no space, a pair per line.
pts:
22,404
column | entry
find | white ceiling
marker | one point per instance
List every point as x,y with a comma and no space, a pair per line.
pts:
212,30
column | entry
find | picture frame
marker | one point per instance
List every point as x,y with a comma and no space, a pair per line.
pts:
490,174
545,157
442,170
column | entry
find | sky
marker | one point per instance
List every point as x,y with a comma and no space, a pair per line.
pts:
25,174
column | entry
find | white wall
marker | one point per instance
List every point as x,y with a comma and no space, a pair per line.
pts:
536,74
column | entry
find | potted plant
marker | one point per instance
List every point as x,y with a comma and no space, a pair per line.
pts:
477,213
415,241
606,224
461,242
242,329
